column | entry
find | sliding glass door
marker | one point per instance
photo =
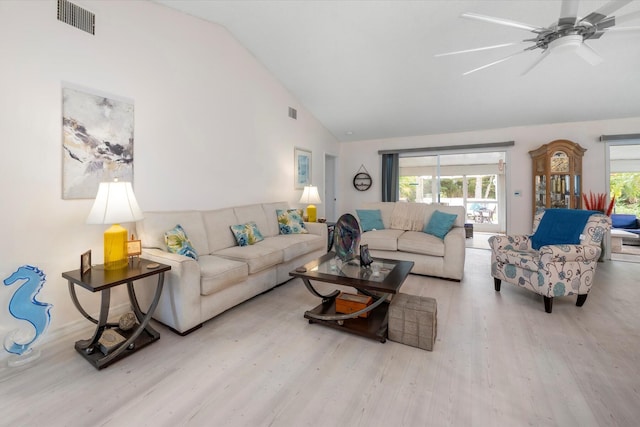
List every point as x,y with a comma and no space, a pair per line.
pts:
624,185
474,180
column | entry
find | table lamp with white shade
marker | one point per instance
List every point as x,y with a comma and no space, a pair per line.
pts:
310,195
115,203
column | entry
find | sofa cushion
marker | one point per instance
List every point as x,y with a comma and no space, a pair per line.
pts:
152,228
524,258
624,221
217,223
370,219
382,240
385,208
218,273
258,257
246,234
250,213
418,242
290,222
178,242
295,245
270,209
440,223
409,216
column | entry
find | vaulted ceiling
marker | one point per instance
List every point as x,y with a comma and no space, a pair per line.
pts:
367,70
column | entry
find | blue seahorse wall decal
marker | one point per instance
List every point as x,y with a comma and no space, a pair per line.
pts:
23,306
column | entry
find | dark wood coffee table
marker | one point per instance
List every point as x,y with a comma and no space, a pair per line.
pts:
383,278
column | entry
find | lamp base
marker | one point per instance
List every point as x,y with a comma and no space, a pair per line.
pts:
312,213
115,248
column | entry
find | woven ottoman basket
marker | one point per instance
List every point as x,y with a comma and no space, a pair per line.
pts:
413,321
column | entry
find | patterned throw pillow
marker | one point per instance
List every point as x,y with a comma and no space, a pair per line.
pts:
247,234
178,242
290,222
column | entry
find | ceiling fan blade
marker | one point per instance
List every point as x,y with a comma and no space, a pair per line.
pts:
536,62
587,53
626,18
501,21
493,63
477,49
604,11
621,30
568,12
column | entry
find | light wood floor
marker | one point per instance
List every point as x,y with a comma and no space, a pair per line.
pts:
499,360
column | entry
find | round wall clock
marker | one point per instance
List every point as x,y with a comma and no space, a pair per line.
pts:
362,181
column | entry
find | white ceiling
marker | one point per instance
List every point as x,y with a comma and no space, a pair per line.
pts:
368,67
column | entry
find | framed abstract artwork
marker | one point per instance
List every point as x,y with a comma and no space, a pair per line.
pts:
97,142
302,168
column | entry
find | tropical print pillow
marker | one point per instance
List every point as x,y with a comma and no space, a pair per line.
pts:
290,222
178,242
247,234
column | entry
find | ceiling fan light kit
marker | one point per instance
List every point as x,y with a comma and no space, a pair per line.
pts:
567,35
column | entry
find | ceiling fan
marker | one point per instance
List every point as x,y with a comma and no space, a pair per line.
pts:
569,33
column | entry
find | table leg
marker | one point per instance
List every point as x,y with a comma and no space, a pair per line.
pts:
353,315
129,344
88,346
142,317
313,290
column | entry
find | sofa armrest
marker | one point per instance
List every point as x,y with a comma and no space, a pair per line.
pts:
569,253
454,253
318,228
179,306
518,242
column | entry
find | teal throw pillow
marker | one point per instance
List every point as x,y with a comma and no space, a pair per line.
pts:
247,234
370,219
290,222
440,224
178,242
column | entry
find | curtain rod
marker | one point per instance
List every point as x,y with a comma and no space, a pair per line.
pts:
449,147
621,137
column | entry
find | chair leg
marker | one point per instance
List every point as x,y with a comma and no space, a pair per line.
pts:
548,303
581,300
496,284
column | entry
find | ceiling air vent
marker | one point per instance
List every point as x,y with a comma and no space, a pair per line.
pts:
76,16
293,113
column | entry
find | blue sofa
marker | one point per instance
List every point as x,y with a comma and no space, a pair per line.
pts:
629,223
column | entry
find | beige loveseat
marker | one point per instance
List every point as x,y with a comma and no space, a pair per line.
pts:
402,238
225,274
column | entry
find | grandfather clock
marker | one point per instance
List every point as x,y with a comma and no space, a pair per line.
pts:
557,175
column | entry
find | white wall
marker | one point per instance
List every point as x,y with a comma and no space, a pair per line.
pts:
518,169
211,128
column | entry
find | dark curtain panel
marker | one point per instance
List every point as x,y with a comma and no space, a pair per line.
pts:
390,183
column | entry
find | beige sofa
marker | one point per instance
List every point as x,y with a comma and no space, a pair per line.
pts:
402,238
225,274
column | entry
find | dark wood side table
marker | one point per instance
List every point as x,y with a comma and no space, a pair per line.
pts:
100,280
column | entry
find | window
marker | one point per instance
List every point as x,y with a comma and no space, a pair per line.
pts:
474,180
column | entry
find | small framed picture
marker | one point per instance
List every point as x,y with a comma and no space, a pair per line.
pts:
365,256
134,248
301,168
85,262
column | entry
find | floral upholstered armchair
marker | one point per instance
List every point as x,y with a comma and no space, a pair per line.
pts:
552,269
